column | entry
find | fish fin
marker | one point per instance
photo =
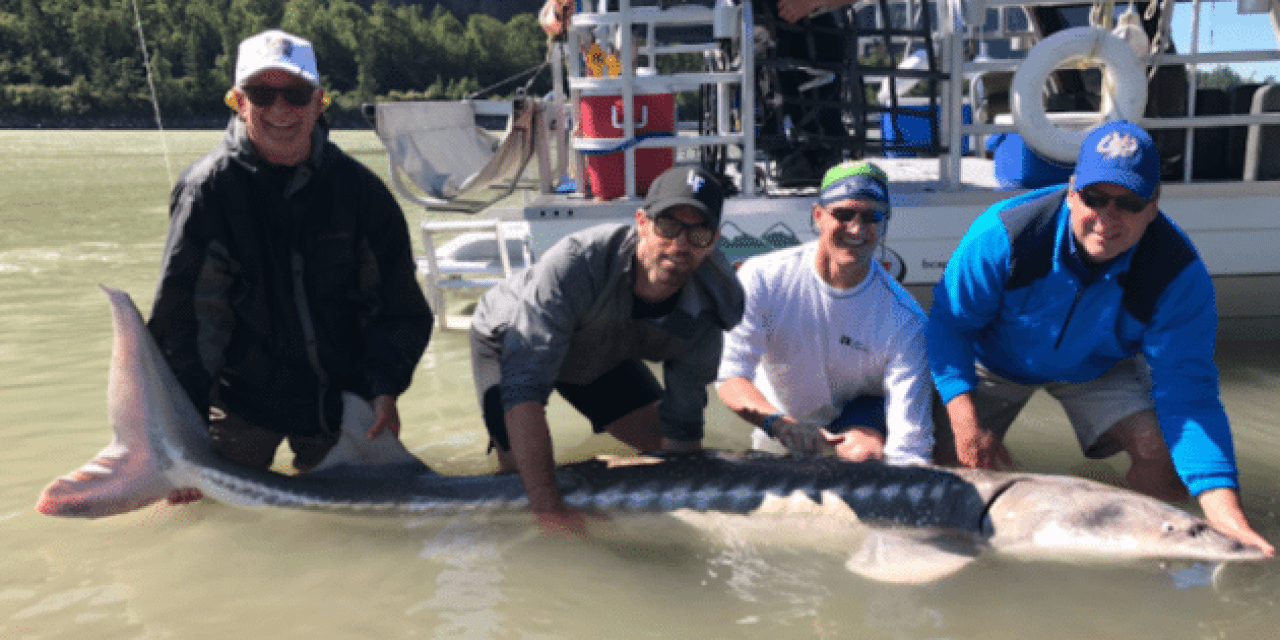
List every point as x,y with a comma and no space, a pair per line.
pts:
125,475
354,449
1238,577
888,556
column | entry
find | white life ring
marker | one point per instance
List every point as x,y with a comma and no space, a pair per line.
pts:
1124,88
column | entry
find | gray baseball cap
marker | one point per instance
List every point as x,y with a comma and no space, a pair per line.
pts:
689,185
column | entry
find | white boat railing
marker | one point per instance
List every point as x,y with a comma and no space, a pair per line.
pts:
728,22
954,62
960,25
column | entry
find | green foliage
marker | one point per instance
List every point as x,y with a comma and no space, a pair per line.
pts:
83,57
1224,77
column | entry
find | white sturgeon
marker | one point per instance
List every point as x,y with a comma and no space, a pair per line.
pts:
161,444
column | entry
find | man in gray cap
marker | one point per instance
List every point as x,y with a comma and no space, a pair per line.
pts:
586,316
288,276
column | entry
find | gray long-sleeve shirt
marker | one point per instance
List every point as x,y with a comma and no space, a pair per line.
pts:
568,318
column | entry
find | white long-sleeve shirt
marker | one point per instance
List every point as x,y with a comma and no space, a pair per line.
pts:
811,348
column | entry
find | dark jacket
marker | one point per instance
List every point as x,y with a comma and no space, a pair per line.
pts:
282,287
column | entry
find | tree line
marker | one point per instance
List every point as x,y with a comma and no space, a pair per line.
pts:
82,59
78,58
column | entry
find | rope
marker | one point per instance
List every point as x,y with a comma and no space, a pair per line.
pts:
626,144
155,103
523,90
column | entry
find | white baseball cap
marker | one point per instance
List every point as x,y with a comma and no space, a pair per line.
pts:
275,49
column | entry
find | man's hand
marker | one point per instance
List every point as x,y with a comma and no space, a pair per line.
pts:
803,438
554,17
793,10
385,417
861,443
976,447
566,521
1222,509
183,496
982,450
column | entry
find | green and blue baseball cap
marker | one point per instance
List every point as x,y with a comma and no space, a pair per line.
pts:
855,179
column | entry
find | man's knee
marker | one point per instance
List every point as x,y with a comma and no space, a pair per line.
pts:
1151,469
242,443
639,429
1139,435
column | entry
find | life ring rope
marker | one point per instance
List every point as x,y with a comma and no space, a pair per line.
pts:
1124,88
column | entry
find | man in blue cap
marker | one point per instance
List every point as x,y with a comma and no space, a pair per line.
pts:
831,349
1088,291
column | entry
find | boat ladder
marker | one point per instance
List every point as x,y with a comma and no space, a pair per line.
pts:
479,255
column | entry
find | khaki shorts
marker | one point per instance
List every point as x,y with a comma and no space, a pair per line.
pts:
605,400
1093,407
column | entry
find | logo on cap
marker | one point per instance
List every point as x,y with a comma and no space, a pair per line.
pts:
277,48
1115,145
695,181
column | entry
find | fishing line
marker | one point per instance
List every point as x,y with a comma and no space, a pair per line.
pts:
155,103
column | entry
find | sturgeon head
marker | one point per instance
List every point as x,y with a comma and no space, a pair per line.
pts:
1063,517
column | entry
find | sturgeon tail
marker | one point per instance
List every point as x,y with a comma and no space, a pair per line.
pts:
125,475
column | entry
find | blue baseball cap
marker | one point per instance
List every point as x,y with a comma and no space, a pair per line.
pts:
1119,152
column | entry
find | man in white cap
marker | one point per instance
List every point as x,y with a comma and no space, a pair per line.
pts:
288,276
1088,291
831,348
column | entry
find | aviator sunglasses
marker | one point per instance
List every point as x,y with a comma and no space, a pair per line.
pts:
262,97
845,214
668,228
1129,203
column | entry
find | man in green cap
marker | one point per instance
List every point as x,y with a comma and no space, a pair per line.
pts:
831,348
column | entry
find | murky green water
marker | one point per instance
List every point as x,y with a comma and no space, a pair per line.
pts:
82,208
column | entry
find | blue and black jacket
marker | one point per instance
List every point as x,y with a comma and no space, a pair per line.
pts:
1017,298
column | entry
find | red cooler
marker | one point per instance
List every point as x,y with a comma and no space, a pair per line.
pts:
602,118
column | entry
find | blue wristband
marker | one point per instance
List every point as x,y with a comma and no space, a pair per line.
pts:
767,425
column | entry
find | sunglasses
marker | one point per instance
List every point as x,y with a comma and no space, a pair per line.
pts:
296,96
700,236
867,216
1129,203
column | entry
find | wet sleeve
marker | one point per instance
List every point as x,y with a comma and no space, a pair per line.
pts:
744,345
1179,347
191,317
399,326
683,406
556,295
967,299
909,400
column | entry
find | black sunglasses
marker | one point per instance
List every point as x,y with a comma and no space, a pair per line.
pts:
868,216
297,96
700,235
1130,203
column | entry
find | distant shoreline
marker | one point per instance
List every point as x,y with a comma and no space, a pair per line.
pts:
148,123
